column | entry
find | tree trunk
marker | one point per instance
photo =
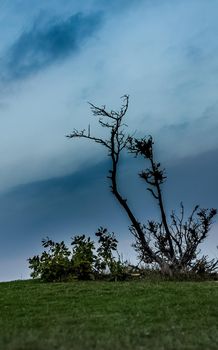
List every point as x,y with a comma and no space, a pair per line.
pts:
166,269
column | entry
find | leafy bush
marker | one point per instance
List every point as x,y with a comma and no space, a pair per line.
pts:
83,258
54,264
106,261
85,261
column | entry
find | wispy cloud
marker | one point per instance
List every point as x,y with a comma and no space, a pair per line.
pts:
42,45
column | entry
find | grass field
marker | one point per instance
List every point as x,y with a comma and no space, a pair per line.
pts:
109,315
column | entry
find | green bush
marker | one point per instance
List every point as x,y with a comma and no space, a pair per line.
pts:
106,262
85,261
83,257
54,264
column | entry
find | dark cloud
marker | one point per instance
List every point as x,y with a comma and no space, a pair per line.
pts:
38,207
193,180
194,53
186,128
44,44
81,202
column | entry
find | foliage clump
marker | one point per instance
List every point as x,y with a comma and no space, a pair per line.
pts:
84,261
54,264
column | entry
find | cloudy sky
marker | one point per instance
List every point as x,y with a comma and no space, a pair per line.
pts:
57,55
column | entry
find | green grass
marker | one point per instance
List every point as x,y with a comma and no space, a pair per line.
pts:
109,315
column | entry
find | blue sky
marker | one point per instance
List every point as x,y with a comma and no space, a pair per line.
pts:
57,55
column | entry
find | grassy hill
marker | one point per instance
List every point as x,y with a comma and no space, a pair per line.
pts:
106,315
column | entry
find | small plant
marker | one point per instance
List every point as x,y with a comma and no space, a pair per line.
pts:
83,258
106,261
54,263
107,245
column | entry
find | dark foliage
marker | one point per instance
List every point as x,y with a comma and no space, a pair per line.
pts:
106,261
83,257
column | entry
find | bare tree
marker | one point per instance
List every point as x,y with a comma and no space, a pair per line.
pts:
173,247
177,242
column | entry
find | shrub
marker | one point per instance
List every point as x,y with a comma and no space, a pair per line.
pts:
106,261
54,264
58,263
83,258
